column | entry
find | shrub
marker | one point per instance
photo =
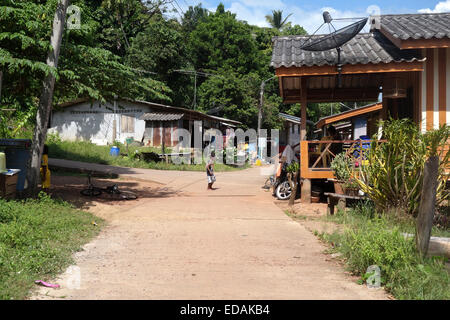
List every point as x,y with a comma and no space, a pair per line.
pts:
393,178
341,166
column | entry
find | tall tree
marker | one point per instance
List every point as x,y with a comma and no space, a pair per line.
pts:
123,20
221,41
161,49
45,101
192,17
276,19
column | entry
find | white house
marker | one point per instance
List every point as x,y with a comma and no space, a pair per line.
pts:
147,122
98,122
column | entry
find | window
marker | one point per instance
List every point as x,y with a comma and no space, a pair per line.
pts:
127,124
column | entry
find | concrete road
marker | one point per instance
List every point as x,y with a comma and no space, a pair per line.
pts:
230,243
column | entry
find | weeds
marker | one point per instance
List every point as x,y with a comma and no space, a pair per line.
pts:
37,240
373,239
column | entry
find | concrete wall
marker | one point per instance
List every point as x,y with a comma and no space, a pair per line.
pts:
94,122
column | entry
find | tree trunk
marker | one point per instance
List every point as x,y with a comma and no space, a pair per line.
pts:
424,221
45,101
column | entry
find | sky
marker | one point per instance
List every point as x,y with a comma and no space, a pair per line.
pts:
309,13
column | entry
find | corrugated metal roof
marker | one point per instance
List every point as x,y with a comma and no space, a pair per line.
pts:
161,116
373,107
161,107
290,118
293,119
417,26
364,48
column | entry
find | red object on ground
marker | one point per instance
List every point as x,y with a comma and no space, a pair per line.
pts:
46,284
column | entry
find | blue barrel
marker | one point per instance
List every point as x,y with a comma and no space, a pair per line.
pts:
114,151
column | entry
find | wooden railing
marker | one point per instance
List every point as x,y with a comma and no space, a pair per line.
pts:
316,155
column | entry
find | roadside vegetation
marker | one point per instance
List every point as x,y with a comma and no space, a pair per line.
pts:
88,152
383,230
367,238
38,238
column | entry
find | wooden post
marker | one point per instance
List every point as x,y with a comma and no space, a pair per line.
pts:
303,104
163,144
306,185
424,221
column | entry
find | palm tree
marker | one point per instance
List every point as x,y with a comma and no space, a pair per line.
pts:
276,19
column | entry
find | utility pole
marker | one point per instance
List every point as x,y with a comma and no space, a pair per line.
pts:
195,74
114,135
261,104
1,81
195,90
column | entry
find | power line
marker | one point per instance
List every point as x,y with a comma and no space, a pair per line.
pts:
196,73
181,17
179,7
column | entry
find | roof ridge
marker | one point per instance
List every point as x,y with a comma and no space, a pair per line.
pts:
414,14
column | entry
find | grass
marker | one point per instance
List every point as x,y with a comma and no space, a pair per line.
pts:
37,240
89,152
360,215
370,239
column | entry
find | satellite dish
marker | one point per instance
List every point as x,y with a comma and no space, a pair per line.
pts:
334,40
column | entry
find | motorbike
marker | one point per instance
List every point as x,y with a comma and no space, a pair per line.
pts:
282,188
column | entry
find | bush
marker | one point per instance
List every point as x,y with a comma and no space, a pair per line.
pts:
374,244
341,166
393,179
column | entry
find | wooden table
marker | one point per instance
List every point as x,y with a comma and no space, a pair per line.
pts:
340,200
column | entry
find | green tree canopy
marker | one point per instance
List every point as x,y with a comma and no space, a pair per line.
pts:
161,49
221,41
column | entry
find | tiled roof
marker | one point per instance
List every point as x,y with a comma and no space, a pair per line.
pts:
364,48
161,116
417,26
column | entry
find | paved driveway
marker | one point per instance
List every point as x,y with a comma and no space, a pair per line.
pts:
230,243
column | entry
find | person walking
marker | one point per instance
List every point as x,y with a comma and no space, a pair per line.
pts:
210,170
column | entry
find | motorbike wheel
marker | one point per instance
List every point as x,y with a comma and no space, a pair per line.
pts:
283,191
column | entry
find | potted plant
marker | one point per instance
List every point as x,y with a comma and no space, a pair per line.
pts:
351,187
341,167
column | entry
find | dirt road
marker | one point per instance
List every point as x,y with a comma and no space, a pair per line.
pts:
180,241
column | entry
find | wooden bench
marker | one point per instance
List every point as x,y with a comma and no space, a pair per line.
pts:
340,200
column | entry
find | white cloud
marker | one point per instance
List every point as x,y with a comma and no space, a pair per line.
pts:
263,3
255,11
254,14
443,6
